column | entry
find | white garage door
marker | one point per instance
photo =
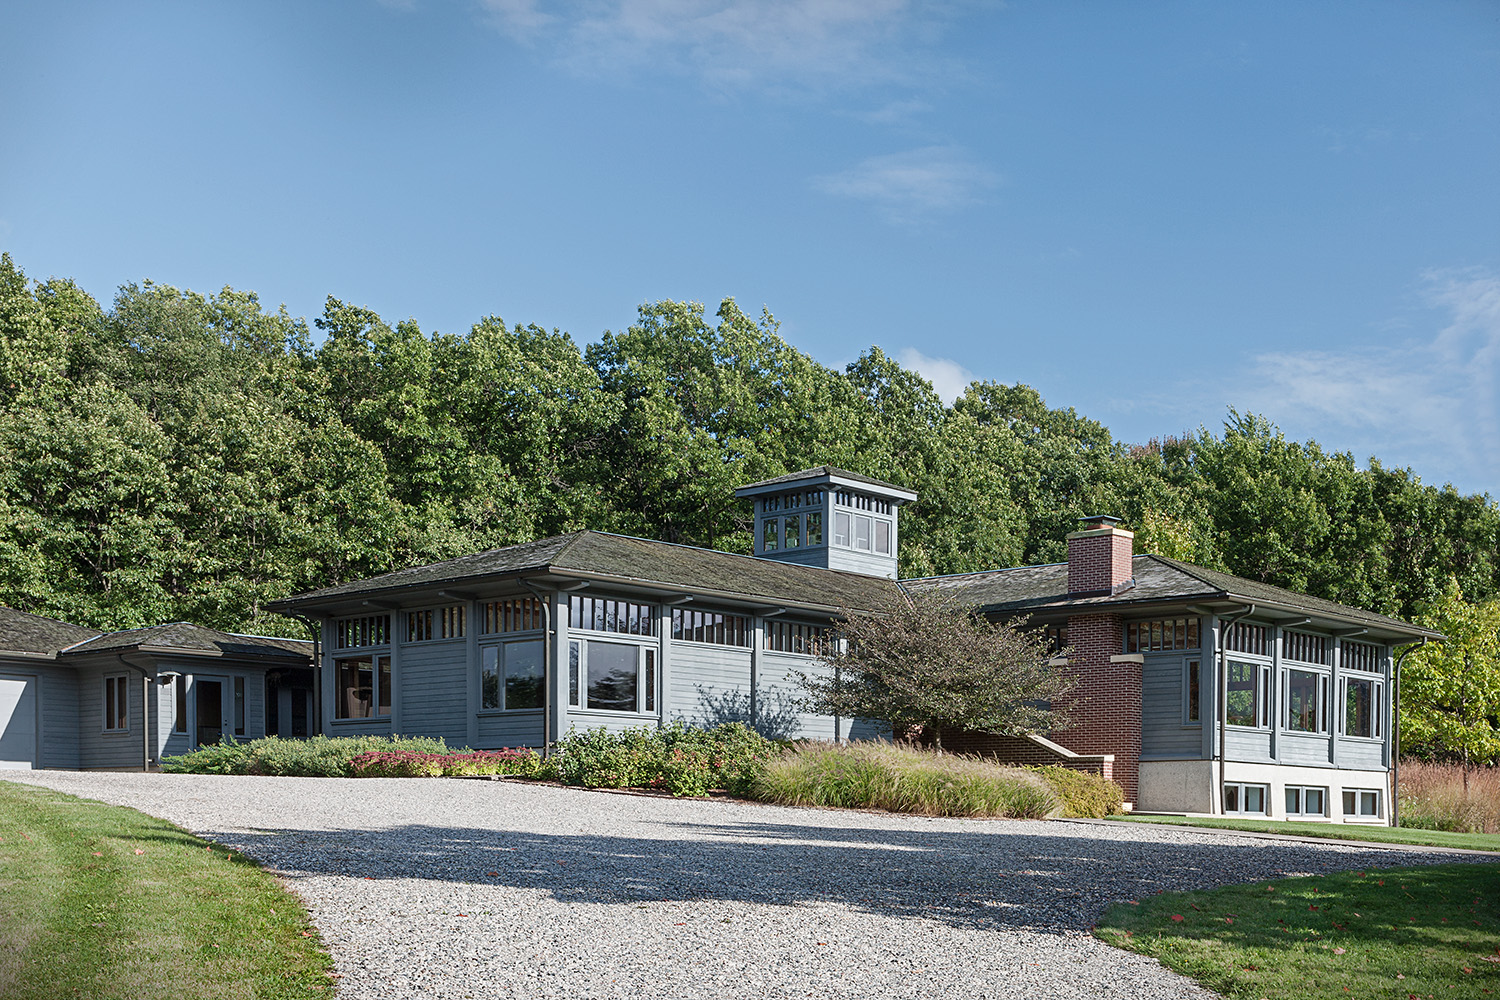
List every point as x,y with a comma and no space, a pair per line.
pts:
17,722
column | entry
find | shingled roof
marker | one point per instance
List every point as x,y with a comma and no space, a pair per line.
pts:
185,637
23,632
1158,580
660,565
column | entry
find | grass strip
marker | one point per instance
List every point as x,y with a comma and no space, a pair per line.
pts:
1333,831
103,902
1400,933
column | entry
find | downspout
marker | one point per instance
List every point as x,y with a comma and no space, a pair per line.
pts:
1223,699
315,628
1396,730
547,643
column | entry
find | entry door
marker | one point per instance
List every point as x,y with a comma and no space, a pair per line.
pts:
209,705
17,722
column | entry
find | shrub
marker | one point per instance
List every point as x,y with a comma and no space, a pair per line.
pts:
318,757
415,764
901,779
680,759
1434,797
1081,794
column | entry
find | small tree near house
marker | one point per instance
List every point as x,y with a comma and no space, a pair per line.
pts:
925,663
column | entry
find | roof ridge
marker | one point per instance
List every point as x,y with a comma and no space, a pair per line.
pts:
1194,571
45,618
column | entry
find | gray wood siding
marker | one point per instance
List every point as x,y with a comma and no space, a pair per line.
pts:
510,729
1303,748
96,748
434,690
708,684
777,694
360,727
1247,744
851,561
1162,699
59,716
1362,755
583,719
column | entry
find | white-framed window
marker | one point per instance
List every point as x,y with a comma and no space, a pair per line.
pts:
1363,697
603,614
512,675
1249,695
606,676
862,533
362,686
1304,800
1306,701
1192,692
843,526
792,637
1362,803
1242,799
117,703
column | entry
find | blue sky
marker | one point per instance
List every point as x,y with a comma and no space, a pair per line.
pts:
1151,212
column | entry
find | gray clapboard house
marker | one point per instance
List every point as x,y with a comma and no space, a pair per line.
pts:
1197,691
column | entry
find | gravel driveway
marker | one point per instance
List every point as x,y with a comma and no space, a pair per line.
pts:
447,888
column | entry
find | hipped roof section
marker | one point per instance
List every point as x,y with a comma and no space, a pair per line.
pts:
32,635
627,561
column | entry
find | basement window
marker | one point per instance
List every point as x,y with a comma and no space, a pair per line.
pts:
1241,799
1304,801
1362,803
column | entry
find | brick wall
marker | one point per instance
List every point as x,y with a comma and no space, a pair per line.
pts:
1099,560
1105,707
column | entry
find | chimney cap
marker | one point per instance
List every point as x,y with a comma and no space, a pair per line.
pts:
1100,520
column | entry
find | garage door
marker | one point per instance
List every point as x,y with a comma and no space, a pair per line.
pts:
17,722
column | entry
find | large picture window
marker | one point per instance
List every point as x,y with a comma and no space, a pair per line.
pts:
362,686
612,676
511,675
1306,701
1249,690
1362,707
117,703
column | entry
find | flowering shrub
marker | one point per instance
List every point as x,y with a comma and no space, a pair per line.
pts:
678,759
414,764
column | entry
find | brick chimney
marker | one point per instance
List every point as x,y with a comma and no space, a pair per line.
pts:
1099,557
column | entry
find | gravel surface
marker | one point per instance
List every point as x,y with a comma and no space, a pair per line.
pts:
448,888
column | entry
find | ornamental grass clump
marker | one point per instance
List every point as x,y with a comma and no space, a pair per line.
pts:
456,764
1450,797
901,778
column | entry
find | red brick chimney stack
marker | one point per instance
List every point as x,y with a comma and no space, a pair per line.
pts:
1099,557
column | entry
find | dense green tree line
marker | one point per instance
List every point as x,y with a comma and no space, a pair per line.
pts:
182,456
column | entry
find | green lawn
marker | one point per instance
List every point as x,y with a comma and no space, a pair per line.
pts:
102,902
1333,831
1398,933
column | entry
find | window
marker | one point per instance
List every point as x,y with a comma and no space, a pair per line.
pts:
1167,634
710,626
859,501
1246,799
1056,636
1362,656
117,703
1362,803
1362,707
1304,648
861,533
789,637
435,623
1304,801
371,630
1306,701
179,695
511,675
599,614
362,686
842,523
239,706
1249,690
883,537
815,528
519,614
612,676
770,533
792,533
1192,686
1252,639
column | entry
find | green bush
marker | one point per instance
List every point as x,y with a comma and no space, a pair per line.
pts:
1081,794
903,779
318,757
413,764
680,759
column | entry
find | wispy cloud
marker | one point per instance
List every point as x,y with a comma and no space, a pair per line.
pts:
1430,403
948,377
911,185
731,43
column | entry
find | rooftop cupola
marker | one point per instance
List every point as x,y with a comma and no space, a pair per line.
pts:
828,517
1099,556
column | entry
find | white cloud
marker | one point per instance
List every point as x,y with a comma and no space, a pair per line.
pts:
1432,404
913,184
780,44
948,377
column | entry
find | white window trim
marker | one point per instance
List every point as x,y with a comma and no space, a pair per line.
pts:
1358,817
578,699
1242,785
1324,695
1302,791
1378,710
500,664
